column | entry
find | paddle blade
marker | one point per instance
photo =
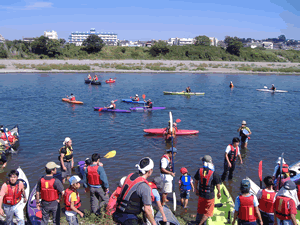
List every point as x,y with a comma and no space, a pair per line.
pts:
115,100
39,214
178,120
174,201
144,96
100,109
111,154
260,170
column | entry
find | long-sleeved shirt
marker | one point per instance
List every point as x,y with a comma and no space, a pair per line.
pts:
103,177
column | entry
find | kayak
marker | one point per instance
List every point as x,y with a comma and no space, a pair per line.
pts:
87,81
22,177
183,93
110,81
161,131
146,109
96,82
224,208
294,169
268,90
130,101
171,218
254,188
101,109
15,132
73,102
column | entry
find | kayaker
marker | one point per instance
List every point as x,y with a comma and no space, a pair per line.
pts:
286,203
72,201
95,181
89,77
110,79
11,194
246,206
231,84
166,173
3,160
188,89
66,159
266,199
205,182
71,97
49,191
232,152
185,186
168,134
136,194
112,105
244,132
273,88
282,177
149,104
112,203
95,78
6,136
136,98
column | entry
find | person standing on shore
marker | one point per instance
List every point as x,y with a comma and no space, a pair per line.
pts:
95,181
50,190
244,132
231,153
66,159
206,179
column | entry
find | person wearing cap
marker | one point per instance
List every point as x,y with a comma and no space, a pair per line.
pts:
244,133
232,152
246,206
11,195
167,173
266,199
185,186
72,201
136,98
71,97
286,203
66,159
49,191
273,88
95,181
112,105
206,179
136,194
149,104
231,84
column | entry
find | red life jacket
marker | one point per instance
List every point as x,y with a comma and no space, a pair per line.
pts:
10,137
152,186
48,193
67,201
281,208
12,196
3,136
233,153
112,203
266,202
96,78
285,168
247,210
169,167
93,176
114,106
205,180
73,99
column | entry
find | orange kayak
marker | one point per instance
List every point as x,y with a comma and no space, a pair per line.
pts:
73,102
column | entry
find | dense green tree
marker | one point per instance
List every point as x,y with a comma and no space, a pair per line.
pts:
93,44
3,53
45,46
202,40
159,48
234,45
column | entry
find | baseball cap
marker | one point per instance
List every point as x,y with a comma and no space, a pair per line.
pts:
174,150
74,179
206,158
52,165
289,185
183,170
67,139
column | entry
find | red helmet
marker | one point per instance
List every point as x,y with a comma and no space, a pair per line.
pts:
183,170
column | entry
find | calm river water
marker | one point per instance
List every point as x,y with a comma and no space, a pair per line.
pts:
33,101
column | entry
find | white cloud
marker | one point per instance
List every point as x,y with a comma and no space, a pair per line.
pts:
38,5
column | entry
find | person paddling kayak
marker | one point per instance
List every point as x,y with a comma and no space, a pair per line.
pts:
112,106
231,84
89,77
188,89
149,104
168,133
71,97
273,88
136,98
95,78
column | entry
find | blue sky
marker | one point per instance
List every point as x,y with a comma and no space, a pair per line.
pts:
146,20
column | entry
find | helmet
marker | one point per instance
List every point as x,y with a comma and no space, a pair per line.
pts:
112,101
136,95
244,122
245,186
149,100
272,84
183,170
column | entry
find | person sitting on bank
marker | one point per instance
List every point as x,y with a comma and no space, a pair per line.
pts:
136,98
72,201
273,88
95,78
66,159
149,104
246,206
188,89
231,84
185,186
244,133
112,105
11,194
71,97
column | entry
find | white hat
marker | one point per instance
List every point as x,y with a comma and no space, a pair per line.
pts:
52,165
146,168
122,181
244,122
136,95
112,102
67,139
279,161
74,179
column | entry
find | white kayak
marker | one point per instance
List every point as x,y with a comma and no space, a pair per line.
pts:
294,169
23,178
254,188
272,91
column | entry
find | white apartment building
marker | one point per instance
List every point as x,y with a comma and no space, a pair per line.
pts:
181,41
51,34
213,41
2,39
267,45
78,37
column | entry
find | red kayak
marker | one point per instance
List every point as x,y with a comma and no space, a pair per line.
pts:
110,81
161,131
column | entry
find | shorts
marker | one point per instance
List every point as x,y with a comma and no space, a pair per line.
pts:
185,194
167,187
68,172
244,141
206,206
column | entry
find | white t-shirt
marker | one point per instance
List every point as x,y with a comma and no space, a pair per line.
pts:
228,149
164,164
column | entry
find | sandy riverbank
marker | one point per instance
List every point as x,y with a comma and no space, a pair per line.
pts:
138,66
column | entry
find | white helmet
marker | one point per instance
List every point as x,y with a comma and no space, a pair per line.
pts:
112,101
244,122
136,95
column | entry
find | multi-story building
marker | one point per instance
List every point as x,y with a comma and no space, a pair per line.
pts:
2,39
78,37
213,41
51,34
181,41
28,39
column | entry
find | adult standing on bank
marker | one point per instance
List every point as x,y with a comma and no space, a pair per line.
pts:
136,194
66,159
244,133
206,179
11,195
49,190
167,173
231,153
95,181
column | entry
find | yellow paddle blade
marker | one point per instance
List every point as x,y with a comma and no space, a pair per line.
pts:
110,154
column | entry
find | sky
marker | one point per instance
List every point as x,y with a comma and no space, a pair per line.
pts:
155,19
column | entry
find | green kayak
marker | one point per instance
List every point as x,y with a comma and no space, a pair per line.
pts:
183,93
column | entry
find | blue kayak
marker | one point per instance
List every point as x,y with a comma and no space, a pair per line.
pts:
135,102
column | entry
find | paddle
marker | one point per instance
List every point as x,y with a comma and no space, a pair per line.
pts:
260,172
173,167
281,161
109,155
265,87
178,120
144,96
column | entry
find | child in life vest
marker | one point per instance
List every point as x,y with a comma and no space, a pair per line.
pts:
185,186
112,203
72,201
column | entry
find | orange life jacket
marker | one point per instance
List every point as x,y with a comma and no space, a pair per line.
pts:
12,196
232,155
281,208
93,176
206,180
247,210
48,193
67,201
112,203
266,202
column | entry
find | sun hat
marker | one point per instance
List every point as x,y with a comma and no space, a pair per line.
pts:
183,170
74,179
174,150
279,161
244,122
67,139
206,158
52,165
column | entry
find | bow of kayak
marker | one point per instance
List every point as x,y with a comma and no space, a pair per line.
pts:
110,81
135,102
101,109
73,102
161,131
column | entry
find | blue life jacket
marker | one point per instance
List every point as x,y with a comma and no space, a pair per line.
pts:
185,183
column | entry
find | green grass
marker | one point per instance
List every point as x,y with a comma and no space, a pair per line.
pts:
22,66
2,66
65,66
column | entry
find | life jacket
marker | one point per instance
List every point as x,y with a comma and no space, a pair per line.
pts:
247,210
112,203
149,104
10,137
48,193
205,180
169,167
266,202
12,196
231,85
298,191
281,208
152,186
136,99
73,98
95,78
282,181
232,155
114,105
67,201
128,201
285,168
3,136
185,183
68,156
93,176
